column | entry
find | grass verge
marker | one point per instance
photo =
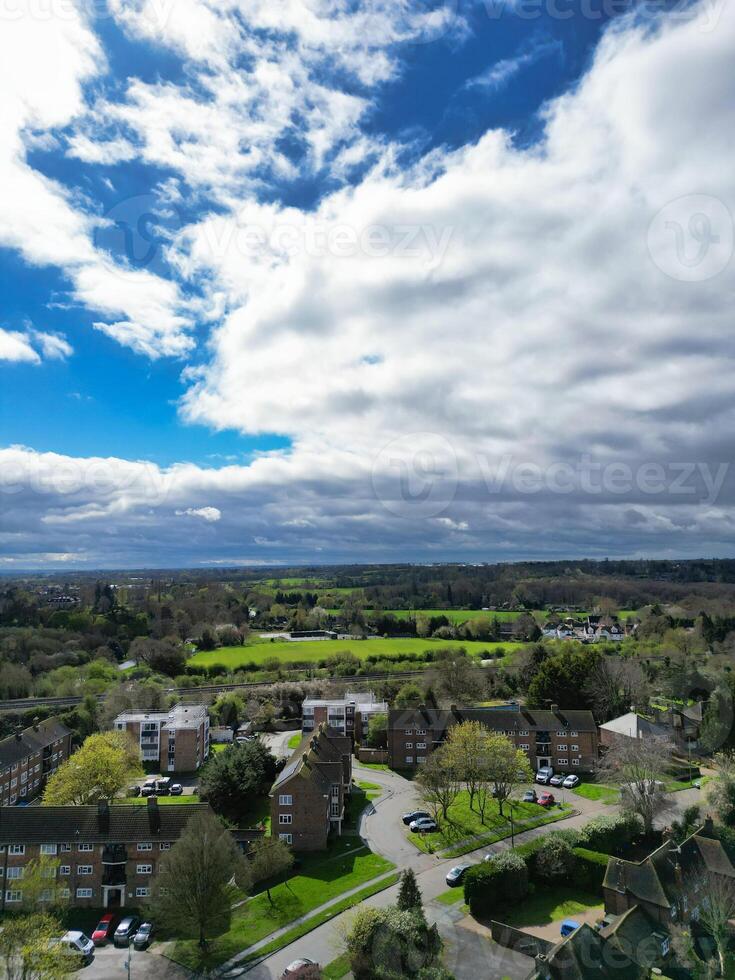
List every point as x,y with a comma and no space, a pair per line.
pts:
453,896
561,812
337,969
295,741
548,905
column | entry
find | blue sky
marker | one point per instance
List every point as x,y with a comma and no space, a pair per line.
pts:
526,151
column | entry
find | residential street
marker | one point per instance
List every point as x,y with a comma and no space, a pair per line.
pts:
469,954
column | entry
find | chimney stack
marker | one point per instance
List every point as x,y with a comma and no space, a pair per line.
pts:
154,814
103,816
555,709
35,723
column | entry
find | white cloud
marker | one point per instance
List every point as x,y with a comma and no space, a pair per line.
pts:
209,514
16,346
54,346
499,74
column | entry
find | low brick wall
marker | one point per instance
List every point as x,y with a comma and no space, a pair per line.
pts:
372,755
521,942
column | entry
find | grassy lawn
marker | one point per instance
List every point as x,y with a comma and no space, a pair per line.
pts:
295,741
219,746
453,896
163,800
379,766
462,823
598,792
337,969
312,651
319,878
551,904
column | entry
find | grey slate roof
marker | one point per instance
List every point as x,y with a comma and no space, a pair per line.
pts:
69,824
14,749
496,719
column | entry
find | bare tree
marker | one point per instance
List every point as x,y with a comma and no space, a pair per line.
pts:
615,686
714,897
439,781
639,767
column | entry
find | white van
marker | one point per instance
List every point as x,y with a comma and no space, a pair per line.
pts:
77,945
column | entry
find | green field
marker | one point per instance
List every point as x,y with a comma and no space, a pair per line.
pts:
548,905
462,615
312,651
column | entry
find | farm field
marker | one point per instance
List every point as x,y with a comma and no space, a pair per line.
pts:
312,651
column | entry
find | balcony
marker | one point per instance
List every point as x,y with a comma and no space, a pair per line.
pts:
114,854
114,875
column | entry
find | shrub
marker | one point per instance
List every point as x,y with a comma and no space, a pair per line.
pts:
554,860
589,868
610,834
496,884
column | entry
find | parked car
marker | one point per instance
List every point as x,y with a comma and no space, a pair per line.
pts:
568,926
79,947
176,789
455,876
163,785
134,790
424,825
529,796
103,933
544,774
149,788
126,930
546,799
408,818
142,938
571,781
304,968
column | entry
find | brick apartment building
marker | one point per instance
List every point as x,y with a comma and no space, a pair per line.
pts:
29,757
107,855
671,883
177,740
566,740
349,715
308,797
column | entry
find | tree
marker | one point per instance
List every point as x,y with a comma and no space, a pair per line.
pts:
715,895
562,679
409,694
196,882
229,709
685,825
270,857
377,736
166,656
409,894
99,770
466,747
496,884
393,944
456,674
27,948
504,767
615,686
554,860
717,719
439,781
639,765
721,790
233,780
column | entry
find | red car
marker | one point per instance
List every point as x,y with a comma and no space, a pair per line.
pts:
546,799
104,930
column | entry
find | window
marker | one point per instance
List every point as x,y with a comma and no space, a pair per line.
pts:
673,911
144,869
13,896
64,893
24,777
563,762
65,869
288,838
84,869
85,847
561,748
409,760
335,810
165,845
420,759
574,734
65,847
285,800
84,892
421,745
575,762
409,745
409,731
145,846
421,731
142,892
13,783
523,746
48,848
17,849
14,874
285,818
46,895
523,734
575,748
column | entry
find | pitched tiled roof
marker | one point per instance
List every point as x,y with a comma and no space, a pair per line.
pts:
582,956
635,935
31,741
324,749
67,824
496,718
633,725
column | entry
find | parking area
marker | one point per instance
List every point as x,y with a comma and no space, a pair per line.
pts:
110,962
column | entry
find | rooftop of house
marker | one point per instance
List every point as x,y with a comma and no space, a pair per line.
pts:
633,725
17,747
499,719
634,934
583,956
658,879
324,748
364,700
180,716
95,824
